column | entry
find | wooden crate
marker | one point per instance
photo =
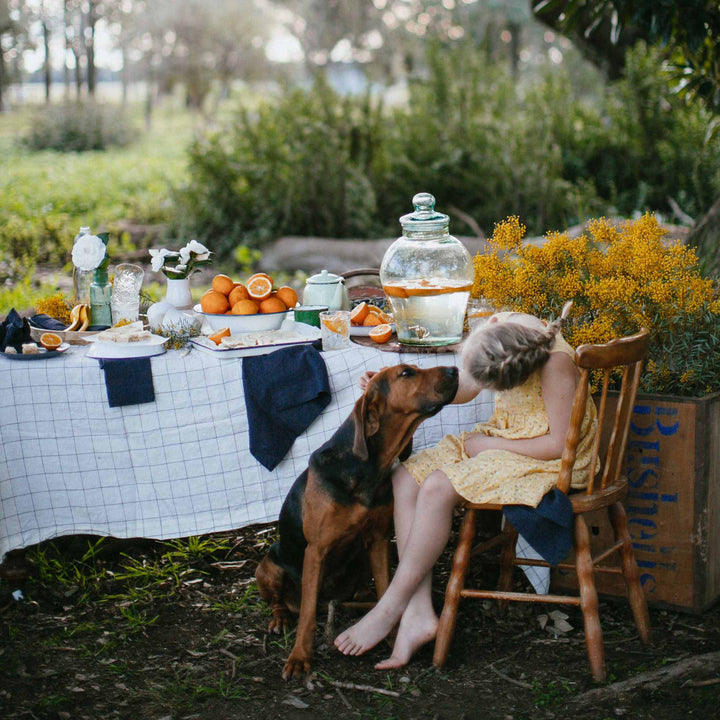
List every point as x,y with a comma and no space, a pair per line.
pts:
673,507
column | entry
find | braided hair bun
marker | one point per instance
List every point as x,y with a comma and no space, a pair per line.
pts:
500,356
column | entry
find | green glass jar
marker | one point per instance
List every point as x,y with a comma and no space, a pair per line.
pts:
100,292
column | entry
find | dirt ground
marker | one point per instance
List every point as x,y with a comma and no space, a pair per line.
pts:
176,631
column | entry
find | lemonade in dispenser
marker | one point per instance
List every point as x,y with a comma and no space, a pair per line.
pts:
427,275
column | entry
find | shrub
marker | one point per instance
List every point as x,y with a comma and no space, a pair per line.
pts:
78,127
621,279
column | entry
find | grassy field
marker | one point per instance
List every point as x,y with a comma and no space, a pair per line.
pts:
46,196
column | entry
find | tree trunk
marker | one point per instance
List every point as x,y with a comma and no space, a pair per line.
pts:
68,49
3,80
705,235
90,22
47,68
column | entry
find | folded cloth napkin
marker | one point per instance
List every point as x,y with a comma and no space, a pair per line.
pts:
14,331
128,381
548,527
284,392
45,322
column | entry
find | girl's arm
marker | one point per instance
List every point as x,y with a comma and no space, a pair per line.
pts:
558,379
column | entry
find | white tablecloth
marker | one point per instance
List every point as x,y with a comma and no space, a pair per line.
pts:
176,467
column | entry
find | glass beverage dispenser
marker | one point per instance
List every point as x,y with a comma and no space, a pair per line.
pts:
427,275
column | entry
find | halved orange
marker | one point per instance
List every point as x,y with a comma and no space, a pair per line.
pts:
219,335
259,287
50,341
381,333
372,319
359,313
334,324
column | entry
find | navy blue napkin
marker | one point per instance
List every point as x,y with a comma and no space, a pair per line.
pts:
45,322
548,528
284,392
14,331
128,381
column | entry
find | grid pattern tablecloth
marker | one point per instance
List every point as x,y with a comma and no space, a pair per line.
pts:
179,466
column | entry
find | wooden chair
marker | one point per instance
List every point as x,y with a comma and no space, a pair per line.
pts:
605,491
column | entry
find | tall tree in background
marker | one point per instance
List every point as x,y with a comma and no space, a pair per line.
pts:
13,40
690,33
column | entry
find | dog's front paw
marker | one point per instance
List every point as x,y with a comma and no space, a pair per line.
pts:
296,667
281,621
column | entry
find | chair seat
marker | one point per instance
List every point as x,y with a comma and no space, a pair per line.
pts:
583,502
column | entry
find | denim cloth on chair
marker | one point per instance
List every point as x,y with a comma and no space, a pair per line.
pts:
284,392
547,528
128,381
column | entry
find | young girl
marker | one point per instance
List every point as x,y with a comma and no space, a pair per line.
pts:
513,458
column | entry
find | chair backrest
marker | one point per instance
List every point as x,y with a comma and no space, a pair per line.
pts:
625,356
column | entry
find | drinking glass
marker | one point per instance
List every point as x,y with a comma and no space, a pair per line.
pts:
125,298
335,329
479,311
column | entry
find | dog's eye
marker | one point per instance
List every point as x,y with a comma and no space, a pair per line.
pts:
407,372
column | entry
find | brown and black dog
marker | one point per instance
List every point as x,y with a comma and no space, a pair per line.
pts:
338,512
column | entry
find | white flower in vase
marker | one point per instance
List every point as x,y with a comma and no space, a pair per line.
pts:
88,252
178,265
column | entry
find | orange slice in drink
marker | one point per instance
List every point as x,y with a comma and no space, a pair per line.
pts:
219,335
50,341
381,333
259,287
359,313
334,324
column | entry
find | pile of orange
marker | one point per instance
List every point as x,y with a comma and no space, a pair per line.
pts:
371,316
227,297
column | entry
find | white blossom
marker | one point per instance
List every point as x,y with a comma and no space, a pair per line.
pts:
88,252
193,247
158,258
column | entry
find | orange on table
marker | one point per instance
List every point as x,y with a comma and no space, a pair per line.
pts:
259,287
219,335
386,317
259,274
288,296
272,305
372,319
245,307
238,293
381,333
359,313
223,284
50,341
214,302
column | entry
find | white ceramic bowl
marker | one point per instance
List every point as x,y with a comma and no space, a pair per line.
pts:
244,323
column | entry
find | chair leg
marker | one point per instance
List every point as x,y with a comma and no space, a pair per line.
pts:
510,536
456,583
589,600
636,595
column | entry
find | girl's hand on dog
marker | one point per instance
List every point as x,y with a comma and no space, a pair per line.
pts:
365,378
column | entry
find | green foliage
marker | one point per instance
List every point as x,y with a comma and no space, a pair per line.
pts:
315,163
78,127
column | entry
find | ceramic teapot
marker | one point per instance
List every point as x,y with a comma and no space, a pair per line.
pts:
326,289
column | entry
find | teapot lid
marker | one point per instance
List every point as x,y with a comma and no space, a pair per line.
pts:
323,278
425,217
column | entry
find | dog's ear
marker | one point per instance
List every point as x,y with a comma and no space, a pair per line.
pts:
406,451
366,415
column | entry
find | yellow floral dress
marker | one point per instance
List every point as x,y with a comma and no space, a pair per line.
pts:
501,476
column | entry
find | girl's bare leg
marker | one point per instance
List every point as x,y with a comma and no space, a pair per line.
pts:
429,533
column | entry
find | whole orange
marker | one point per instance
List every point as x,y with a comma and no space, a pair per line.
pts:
222,284
272,305
238,293
214,302
288,296
245,307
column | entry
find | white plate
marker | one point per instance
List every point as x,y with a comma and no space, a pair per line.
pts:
364,330
155,345
311,334
42,353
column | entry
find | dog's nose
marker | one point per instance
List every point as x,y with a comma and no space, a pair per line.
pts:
450,372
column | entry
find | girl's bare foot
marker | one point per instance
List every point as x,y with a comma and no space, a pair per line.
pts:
366,633
414,632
